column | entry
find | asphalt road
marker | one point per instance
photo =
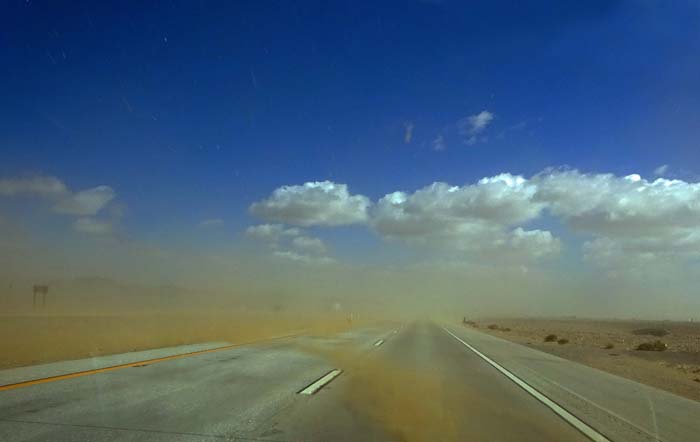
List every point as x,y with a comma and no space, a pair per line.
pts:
420,384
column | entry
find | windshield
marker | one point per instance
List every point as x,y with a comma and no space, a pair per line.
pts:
425,220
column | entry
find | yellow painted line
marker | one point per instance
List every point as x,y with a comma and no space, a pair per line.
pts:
132,364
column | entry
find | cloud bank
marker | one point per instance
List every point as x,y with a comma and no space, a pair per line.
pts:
624,220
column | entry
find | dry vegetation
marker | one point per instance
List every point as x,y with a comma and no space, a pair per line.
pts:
621,347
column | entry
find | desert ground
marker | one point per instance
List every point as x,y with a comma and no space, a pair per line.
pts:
612,346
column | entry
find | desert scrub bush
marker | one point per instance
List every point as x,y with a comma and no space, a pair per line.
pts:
658,332
493,327
652,346
563,341
550,338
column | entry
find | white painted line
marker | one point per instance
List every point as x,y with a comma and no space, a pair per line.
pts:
577,423
652,436
379,342
319,384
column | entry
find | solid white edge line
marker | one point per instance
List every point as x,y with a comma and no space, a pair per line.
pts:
577,423
379,342
313,388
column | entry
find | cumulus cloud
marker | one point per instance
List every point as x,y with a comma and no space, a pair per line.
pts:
212,222
472,218
271,232
318,203
92,226
474,124
539,243
626,220
46,186
620,206
85,202
632,220
312,246
503,199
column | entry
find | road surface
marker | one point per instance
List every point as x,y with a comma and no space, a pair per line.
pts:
416,382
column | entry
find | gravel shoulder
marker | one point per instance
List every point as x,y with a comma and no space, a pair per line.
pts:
610,345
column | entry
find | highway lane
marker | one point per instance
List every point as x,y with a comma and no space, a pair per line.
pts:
422,386
229,394
620,408
418,383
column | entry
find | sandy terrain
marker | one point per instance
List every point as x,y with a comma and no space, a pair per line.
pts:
610,345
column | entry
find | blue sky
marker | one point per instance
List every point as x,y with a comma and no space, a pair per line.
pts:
194,111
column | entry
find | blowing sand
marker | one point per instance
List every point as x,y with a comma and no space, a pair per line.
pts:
35,339
610,345
392,396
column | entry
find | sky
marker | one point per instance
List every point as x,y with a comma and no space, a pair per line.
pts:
405,146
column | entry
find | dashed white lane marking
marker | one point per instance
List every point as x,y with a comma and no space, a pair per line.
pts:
379,342
572,420
322,382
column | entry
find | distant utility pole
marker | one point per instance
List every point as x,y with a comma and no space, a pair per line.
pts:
42,290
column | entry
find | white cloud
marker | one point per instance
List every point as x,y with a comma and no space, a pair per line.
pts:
503,200
85,202
628,220
475,124
633,220
408,132
661,170
290,243
470,218
312,246
620,206
302,258
539,243
45,186
92,226
271,232
319,203
213,222
439,143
